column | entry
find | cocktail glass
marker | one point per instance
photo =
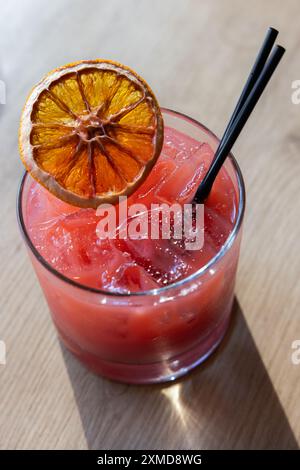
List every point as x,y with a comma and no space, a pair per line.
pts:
151,336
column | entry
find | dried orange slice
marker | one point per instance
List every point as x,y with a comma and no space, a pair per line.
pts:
91,132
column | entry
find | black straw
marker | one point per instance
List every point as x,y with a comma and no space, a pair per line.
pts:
252,91
258,65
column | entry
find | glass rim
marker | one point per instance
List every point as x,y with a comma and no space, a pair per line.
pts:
160,290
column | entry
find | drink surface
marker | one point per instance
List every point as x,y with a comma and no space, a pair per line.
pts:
66,235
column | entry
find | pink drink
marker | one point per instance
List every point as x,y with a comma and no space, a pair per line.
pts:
142,310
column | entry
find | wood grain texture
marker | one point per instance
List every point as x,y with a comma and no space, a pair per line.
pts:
196,56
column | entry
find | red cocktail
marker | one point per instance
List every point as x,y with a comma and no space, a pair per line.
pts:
141,310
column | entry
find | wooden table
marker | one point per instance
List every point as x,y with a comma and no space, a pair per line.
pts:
196,55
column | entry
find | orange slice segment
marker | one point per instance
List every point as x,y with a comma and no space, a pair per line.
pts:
91,132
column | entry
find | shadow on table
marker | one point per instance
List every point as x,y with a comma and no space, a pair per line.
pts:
228,402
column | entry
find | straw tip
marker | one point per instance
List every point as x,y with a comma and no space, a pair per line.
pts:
281,48
274,30
279,51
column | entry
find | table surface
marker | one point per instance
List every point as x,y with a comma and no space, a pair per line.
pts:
196,56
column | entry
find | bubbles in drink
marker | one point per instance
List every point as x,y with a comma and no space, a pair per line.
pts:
66,236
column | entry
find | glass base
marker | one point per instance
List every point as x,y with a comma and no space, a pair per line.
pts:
157,372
